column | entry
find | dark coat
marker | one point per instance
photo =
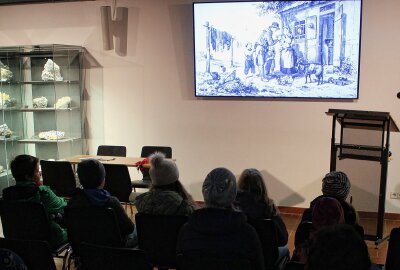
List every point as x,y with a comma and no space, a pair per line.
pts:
350,214
255,209
81,199
220,232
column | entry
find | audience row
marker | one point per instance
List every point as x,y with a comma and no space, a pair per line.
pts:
221,227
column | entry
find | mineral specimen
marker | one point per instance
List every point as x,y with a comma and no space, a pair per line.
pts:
5,131
51,71
40,102
1,169
5,73
6,101
63,103
51,135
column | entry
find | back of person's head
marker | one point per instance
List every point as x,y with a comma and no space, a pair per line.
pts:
219,188
175,186
91,173
338,247
23,167
9,260
327,211
251,180
336,184
162,171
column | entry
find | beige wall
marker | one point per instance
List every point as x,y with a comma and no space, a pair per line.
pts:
147,96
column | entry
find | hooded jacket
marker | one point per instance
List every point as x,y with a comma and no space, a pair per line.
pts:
222,232
101,197
163,202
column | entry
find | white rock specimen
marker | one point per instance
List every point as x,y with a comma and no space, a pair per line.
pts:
5,73
40,102
51,135
5,131
51,71
63,103
1,169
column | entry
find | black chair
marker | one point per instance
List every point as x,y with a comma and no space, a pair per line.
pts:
393,252
202,260
35,254
91,224
267,233
97,257
146,152
111,150
302,233
118,183
29,221
157,236
294,266
59,176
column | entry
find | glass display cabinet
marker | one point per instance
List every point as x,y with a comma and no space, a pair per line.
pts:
40,103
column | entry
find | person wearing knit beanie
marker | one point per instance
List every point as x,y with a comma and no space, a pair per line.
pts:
162,171
327,211
167,195
336,184
219,188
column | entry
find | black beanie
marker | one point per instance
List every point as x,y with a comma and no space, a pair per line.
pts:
91,173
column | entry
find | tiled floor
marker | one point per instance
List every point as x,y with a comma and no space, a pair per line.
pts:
377,254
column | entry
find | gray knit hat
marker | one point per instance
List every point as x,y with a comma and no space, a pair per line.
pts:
219,188
162,171
336,184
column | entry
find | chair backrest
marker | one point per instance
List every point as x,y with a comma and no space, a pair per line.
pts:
59,176
302,232
267,233
97,257
111,150
202,260
148,150
118,181
35,254
157,236
95,225
393,252
294,266
24,220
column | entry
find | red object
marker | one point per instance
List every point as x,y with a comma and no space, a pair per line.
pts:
139,164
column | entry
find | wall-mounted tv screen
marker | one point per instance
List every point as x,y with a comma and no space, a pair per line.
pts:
277,49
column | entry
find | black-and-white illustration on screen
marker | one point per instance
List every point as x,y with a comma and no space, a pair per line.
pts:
277,49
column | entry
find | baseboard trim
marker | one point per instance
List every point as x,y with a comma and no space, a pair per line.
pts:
362,214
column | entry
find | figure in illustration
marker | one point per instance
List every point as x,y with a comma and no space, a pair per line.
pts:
267,41
249,59
287,58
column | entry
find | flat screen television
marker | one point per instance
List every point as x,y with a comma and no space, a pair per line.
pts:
277,49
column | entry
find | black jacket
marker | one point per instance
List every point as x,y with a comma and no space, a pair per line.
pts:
256,210
126,226
221,232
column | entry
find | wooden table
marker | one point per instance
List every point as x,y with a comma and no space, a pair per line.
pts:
128,161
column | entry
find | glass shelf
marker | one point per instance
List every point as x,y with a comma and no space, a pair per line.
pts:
48,141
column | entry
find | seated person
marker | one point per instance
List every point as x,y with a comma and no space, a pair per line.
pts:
92,175
327,212
338,247
9,260
28,187
166,196
218,230
337,185
252,199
